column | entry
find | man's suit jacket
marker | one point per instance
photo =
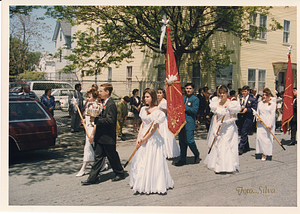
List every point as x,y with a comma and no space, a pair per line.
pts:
191,108
106,124
250,103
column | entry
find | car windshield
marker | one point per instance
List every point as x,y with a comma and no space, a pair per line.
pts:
29,110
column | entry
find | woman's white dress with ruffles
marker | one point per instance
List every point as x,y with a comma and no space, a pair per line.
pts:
224,154
88,151
149,172
170,146
264,139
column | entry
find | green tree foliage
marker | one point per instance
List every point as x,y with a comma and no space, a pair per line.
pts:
26,34
31,75
122,27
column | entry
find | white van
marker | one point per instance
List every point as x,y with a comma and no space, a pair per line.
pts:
38,87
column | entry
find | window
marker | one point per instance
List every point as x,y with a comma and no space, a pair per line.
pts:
196,75
22,111
253,26
262,26
128,78
286,32
257,79
60,35
97,35
161,76
224,76
251,78
109,76
261,79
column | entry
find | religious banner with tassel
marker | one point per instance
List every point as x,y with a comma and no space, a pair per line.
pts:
175,103
288,110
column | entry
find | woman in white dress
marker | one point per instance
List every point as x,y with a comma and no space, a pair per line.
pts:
266,109
170,145
93,108
224,153
149,172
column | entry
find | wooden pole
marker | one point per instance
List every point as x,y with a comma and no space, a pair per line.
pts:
216,136
138,147
268,129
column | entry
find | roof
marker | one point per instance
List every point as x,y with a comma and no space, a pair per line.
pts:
66,29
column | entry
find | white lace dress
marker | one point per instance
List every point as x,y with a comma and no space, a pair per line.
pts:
224,154
88,152
264,139
149,172
170,147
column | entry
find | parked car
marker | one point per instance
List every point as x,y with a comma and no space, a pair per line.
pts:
31,95
39,86
31,126
16,84
61,98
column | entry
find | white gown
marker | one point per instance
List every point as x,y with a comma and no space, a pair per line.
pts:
170,146
149,172
224,153
88,152
264,139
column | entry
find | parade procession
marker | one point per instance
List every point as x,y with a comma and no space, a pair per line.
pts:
209,133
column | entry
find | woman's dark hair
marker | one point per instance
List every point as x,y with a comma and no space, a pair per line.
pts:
268,92
47,89
200,90
163,91
153,96
134,91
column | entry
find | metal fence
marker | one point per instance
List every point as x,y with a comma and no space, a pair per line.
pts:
61,93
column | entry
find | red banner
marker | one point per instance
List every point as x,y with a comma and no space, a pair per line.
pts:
288,110
175,104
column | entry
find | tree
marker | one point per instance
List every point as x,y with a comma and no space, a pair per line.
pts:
25,37
191,26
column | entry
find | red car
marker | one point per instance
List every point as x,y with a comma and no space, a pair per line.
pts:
31,126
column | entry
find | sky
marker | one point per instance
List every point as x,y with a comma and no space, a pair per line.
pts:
49,45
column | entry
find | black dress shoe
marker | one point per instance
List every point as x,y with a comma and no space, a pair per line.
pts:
180,163
197,158
118,178
87,182
291,144
240,151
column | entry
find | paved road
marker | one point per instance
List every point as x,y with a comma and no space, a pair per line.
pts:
47,178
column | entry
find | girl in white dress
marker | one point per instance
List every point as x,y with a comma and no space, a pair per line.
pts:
224,153
266,109
93,108
149,172
170,146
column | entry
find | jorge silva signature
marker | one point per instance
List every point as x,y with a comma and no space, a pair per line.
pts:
261,190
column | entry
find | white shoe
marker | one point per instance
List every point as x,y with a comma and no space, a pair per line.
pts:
105,167
81,173
263,158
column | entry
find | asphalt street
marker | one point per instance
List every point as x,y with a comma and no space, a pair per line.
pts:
47,178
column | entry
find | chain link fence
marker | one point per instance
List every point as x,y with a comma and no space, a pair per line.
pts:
64,85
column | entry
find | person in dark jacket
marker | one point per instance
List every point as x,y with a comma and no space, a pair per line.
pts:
293,122
246,118
105,138
48,101
135,103
202,106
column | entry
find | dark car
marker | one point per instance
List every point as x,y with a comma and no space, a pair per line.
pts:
31,126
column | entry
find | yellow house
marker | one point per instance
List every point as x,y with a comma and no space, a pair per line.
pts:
259,64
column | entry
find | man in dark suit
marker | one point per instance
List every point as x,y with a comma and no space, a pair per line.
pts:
105,138
246,118
186,135
75,118
293,122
